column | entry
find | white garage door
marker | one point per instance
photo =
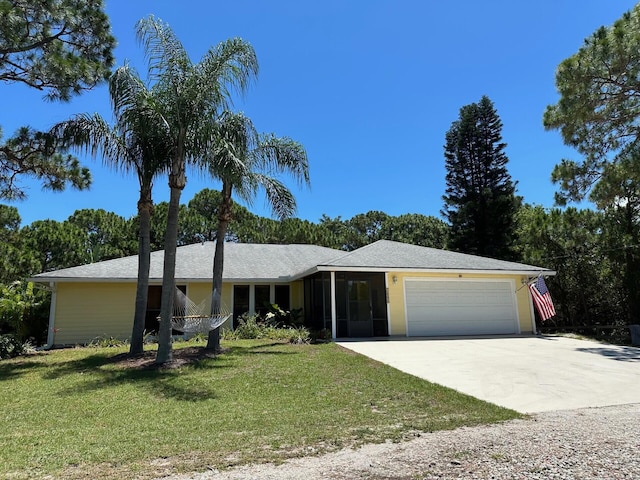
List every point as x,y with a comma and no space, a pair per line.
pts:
464,307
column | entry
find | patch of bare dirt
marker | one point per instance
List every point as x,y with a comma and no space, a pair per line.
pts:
147,360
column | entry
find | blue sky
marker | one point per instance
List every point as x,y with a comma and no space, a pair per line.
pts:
368,87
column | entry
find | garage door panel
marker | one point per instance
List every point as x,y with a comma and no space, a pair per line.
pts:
460,308
458,328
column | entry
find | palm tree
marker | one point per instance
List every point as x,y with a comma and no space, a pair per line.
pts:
189,96
245,161
134,143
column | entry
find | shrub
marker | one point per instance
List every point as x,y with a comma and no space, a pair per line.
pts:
28,347
107,342
149,337
24,311
299,335
251,327
283,318
323,335
10,347
202,337
228,334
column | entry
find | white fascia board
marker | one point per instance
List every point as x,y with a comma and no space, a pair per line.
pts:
155,281
238,280
306,273
47,280
530,273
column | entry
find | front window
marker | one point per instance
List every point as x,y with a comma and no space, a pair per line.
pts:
240,302
263,299
283,297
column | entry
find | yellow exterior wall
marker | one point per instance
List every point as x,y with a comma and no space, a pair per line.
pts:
525,313
297,294
201,292
397,318
84,311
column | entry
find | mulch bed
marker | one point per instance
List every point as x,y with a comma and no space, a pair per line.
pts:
146,360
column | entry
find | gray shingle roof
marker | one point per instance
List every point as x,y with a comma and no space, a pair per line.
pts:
242,261
273,263
385,254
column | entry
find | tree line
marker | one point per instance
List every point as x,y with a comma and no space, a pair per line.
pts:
94,235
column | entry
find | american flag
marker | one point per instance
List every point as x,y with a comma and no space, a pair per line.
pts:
542,299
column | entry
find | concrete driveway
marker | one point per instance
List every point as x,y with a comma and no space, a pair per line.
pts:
526,373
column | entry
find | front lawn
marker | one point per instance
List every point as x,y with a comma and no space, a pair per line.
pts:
77,413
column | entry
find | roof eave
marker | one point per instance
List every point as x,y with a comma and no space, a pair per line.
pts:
46,280
536,272
83,280
298,276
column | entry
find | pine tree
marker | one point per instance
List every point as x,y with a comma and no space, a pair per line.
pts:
480,202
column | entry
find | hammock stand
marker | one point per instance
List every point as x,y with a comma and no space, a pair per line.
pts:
189,317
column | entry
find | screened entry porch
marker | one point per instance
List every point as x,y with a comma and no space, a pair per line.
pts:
360,307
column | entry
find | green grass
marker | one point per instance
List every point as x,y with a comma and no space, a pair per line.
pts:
74,413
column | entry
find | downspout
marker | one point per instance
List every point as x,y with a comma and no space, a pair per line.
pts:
52,317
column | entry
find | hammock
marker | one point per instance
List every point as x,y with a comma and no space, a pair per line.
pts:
191,318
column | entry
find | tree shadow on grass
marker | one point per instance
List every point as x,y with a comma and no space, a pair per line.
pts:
18,367
48,370
167,381
104,370
261,349
164,381
167,384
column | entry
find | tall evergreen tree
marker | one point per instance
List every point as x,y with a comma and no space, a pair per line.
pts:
480,202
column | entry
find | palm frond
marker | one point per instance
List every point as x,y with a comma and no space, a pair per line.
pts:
92,134
232,64
232,137
165,53
279,197
278,155
125,89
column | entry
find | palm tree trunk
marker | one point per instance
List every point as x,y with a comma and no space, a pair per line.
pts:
145,207
224,217
168,274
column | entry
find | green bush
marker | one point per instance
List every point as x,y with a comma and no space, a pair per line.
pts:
299,335
202,337
149,338
10,347
107,342
323,335
283,318
251,327
24,311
